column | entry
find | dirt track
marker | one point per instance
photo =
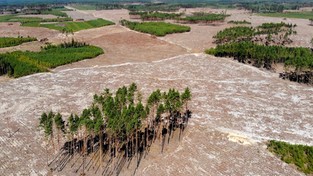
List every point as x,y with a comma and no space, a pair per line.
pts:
236,108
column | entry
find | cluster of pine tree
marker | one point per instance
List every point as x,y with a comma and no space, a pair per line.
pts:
267,33
118,124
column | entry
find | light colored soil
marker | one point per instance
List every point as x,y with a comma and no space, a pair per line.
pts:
236,107
113,15
79,14
122,45
228,98
14,30
201,37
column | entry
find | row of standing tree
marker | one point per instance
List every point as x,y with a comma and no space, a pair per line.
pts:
117,124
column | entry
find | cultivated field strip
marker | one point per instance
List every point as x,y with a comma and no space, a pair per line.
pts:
236,108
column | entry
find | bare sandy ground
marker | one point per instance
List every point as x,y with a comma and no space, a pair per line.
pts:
236,108
79,14
122,45
232,102
201,37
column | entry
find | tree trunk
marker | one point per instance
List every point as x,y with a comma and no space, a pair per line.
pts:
100,146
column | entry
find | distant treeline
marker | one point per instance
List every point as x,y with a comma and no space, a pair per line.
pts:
299,155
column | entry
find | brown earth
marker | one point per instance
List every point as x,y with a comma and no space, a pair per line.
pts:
236,108
231,102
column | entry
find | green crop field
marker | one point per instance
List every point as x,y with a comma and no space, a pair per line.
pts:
84,6
17,64
61,24
156,28
302,15
11,41
77,26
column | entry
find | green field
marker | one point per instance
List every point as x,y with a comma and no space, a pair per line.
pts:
302,15
77,26
61,24
17,64
204,17
155,28
84,6
299,155
56,12
11,41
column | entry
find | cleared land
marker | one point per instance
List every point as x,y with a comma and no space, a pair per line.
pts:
236,108
232,102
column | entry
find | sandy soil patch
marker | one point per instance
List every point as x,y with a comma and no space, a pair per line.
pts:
112,15
122,46
14,30
201,37
229,97
80,14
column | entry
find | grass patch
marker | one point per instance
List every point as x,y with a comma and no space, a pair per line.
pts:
77,26
56,12
299,155
156,15
84,6
61,24
239,22
155,28
300,58
17,64
11,41
302,15
203,17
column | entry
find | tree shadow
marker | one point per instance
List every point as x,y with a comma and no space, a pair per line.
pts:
114,160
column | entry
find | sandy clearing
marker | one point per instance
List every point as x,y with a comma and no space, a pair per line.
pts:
15,30
229,98
79,14
233,104
122,45
201,37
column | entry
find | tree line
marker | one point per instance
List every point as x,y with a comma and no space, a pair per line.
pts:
22,63
117,124
299,155
155,28
154,16
299,58
267,33
202,17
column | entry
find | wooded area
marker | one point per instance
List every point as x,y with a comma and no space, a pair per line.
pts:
116,125
18,63
299,155
299,58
